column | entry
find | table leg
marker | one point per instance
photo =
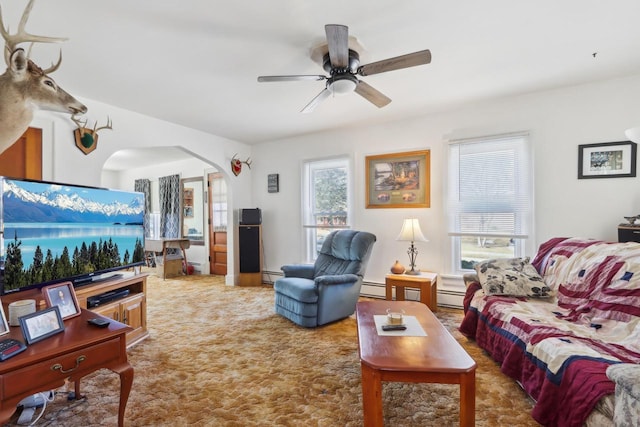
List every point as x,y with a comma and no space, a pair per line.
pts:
468,399
434,296
388,292
425,294
76,389
6,412
399,293
371,397
164,260
126,381
185,270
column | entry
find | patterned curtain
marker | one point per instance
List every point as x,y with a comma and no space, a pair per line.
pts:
170,205
144,186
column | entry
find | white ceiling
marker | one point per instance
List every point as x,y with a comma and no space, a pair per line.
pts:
195,62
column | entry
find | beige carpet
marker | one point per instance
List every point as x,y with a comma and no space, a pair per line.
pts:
219,356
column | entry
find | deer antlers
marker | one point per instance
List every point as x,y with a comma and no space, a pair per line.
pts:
87,139
82,125
24,86
246,162
22,36
236,164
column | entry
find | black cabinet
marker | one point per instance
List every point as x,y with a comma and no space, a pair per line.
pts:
628,233
249,248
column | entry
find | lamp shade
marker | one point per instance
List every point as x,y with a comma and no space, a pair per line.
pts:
633,134
411,231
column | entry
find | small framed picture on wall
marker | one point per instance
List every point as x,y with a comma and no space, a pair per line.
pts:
273,183
607,160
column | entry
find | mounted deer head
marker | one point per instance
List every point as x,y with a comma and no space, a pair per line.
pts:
25,87
87,139
236,164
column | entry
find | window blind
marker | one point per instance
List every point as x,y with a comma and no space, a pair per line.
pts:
490,187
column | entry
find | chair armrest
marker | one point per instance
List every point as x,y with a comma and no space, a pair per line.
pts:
304,271
626,411
627,378
335,280
470,278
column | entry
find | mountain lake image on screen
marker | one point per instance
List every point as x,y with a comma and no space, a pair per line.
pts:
53,232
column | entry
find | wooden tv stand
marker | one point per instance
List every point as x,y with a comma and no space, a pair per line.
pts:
130,310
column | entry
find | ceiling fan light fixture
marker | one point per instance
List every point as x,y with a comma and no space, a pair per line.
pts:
342,63
342,86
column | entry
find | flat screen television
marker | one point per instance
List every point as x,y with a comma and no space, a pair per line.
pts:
51,232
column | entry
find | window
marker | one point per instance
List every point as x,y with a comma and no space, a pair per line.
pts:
326,201
490,199
218,191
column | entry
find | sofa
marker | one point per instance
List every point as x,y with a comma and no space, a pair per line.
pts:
565,326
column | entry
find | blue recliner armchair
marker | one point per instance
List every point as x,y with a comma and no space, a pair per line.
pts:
313,295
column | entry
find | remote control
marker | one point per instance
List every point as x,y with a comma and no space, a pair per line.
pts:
393,327
100,323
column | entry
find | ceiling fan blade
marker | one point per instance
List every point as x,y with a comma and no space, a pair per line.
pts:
403,61
293,78
338,41
316,101
372,95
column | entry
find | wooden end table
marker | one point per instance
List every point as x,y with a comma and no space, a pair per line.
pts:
78,351
427,283
436,358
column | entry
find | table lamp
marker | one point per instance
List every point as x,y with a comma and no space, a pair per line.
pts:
411,233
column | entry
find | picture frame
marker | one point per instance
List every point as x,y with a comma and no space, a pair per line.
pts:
63,296
398,180
187,201
41,324
273,183
4,325
607,160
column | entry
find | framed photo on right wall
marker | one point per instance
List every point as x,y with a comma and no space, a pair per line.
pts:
398,180
607,160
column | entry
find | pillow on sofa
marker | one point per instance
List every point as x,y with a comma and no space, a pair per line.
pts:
512,277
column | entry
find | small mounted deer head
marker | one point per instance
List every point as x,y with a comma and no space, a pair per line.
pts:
87,139
236,164
24,86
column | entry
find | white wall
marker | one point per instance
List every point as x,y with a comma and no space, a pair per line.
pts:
64,162
558,121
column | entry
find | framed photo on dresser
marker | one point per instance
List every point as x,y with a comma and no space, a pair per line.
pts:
4,326
63,296
41,324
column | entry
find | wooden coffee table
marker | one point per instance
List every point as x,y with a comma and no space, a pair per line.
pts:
436,358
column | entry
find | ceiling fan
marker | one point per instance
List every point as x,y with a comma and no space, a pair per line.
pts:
343,64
